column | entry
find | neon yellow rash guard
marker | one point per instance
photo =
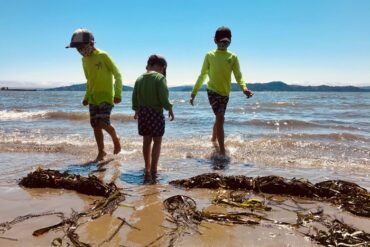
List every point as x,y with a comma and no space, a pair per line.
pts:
218,65
99,68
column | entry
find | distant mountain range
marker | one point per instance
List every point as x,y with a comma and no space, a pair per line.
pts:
269,86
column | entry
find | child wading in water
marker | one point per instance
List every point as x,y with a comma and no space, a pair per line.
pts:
101,94
218,65
149,97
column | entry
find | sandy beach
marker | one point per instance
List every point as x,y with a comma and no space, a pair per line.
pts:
143,209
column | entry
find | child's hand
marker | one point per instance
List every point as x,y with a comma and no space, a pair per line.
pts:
116,100
191,101
85,102
248,92
136,116
171,116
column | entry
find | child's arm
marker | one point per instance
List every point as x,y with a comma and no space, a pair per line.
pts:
135,103
85,101
201,78
117,77
239,78
163,97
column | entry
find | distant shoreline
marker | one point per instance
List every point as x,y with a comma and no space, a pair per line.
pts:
16,89
269,86
275,86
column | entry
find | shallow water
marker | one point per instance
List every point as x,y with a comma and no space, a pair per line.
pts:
316,136
302,134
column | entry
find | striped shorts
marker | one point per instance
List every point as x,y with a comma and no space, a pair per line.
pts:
100,113
218,102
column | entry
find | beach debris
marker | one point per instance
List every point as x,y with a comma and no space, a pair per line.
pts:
123,222
7,238
4,226
186,218
332,232
242,200
57,242
90,185
348,196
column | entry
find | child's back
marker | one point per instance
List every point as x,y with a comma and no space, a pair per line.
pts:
151,91
219,65
149,97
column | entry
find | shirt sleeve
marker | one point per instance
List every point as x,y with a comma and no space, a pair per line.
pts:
163,94
117,76
202,76
87,92
238,75
135,103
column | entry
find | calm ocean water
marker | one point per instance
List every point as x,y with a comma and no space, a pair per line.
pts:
312,135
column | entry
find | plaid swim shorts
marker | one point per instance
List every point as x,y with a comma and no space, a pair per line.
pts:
218,102
100,113
150,122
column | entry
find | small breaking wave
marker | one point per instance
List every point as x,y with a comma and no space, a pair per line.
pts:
282,151
282,123
54,115
291,123
331,137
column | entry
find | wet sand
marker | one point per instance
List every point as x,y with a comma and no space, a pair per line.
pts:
144,210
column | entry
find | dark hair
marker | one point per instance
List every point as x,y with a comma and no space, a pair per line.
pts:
157,59
222,32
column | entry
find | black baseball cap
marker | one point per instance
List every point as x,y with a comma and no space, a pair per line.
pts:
79,37
223,34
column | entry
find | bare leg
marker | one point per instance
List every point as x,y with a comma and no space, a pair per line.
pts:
147,143
220,132
214,132
99,137
112,132
156,151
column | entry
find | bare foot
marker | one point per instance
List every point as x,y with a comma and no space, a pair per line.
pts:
147,178
117,146
100,156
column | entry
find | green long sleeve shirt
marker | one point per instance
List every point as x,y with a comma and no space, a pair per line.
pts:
99,68
218,65
151,90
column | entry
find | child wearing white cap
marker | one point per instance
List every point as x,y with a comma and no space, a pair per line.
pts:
101,94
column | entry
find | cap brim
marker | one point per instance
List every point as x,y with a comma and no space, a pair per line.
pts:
225,39
76,44
71,46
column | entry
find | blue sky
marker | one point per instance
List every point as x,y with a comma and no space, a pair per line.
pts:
297,41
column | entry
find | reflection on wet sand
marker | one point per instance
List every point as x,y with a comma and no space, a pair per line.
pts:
148,216
101,229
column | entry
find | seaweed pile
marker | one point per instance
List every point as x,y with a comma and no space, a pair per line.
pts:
346,195
90,185
332,232
184,215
